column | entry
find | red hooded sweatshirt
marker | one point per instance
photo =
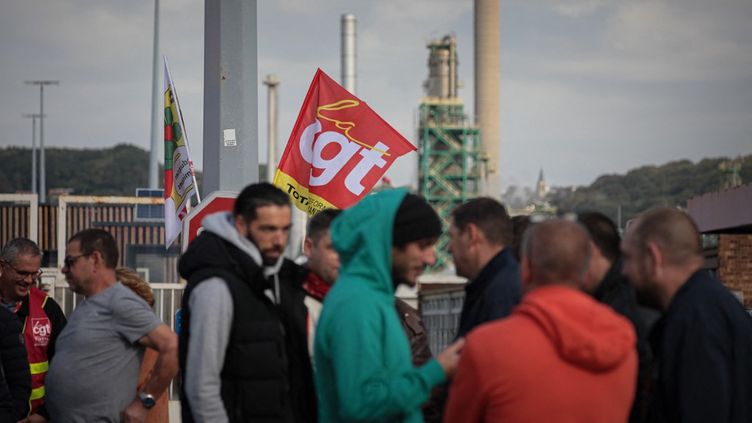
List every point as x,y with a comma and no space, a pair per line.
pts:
560,357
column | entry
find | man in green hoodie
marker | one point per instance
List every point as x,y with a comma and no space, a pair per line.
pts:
364,370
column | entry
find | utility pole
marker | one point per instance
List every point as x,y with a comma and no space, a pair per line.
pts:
156,116
271,81
230,95
33,117
42,175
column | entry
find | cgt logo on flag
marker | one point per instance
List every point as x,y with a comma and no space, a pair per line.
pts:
338,150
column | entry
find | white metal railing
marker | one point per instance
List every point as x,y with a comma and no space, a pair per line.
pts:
167,300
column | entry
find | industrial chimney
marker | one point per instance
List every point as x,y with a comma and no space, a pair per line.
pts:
348,52
487,88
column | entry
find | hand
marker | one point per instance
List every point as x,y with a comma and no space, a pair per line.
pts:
34,418
135,412
450,357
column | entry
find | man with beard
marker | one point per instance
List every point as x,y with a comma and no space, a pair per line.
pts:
703,341
605,282
364,370
243,354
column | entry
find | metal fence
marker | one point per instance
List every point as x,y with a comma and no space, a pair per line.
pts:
441,316
167,300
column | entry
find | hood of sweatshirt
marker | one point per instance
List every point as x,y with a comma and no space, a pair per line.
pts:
210,251
362,235
584,332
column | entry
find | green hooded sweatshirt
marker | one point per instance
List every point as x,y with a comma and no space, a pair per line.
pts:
364,370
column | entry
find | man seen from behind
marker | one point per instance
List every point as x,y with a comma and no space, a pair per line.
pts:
560,356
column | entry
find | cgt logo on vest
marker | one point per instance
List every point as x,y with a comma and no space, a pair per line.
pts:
41,329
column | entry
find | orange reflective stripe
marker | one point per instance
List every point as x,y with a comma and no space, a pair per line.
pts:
41,367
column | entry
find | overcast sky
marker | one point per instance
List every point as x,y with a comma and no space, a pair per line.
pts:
588,86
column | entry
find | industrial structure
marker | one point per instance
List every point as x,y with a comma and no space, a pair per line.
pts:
449,169
487,16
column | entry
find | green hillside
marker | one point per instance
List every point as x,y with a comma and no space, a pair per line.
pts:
113,171
671,184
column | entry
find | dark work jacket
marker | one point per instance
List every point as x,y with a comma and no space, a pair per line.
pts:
616,291
266,375
15,378
493,293
421,353
703,345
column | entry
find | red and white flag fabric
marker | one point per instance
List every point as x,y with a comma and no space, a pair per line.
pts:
179,177
338,150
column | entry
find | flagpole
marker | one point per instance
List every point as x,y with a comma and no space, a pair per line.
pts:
182,129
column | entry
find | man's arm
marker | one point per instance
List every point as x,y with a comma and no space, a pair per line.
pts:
365,388
165,342
211,318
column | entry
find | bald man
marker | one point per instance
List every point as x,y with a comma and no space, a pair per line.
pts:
703,341
560,355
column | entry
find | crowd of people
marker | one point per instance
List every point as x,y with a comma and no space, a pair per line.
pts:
563,320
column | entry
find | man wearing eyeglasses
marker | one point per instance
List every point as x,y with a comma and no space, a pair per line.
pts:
40,315
94,376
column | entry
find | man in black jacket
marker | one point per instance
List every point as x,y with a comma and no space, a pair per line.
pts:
606,284
243,353
703,341
15,379
480,235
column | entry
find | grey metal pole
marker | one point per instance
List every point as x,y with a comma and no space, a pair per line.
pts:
33,117
271,81
230,95
42,175
155,115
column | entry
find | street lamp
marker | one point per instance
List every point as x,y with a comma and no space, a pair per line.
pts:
42,175
33,117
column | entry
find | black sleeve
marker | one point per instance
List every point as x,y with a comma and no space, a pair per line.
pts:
15,365
58,321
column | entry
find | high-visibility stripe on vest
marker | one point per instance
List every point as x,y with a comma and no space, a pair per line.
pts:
37,334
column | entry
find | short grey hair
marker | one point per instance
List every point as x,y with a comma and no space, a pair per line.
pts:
19,247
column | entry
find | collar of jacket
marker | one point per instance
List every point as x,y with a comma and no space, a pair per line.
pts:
484,277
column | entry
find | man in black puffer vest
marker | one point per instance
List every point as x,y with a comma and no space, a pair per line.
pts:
243,353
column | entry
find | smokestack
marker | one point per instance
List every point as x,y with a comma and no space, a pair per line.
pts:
442,68
487,88
347,67
271,81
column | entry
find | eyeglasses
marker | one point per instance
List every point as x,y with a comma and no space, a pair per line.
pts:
69,261
34,275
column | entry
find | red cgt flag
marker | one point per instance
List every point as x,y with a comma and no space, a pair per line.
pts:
338,150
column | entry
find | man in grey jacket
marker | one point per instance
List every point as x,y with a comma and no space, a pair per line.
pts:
243,352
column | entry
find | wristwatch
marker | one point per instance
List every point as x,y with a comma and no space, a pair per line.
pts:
147,400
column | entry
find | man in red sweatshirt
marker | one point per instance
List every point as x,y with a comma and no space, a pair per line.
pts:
560,356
